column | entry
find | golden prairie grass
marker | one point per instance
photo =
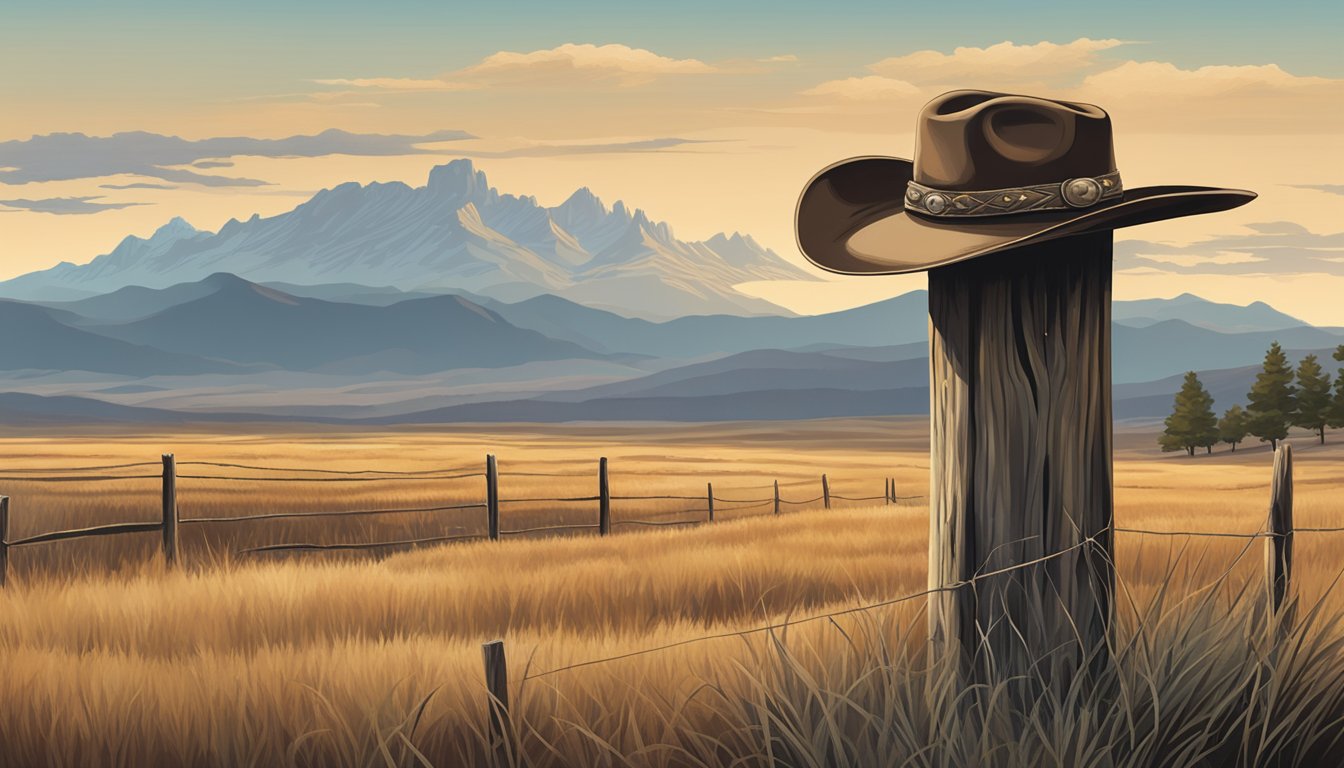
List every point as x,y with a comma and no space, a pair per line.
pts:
320,660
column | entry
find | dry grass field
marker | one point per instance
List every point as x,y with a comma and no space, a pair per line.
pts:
321,658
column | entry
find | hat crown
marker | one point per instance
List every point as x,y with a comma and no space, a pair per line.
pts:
976,140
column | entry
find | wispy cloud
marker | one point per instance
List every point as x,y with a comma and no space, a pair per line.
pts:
1214,98
137,185
1334,189
557,150
66,156
613,63
400,84
66,206
1277,248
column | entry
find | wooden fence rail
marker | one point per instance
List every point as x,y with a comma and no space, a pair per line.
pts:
170,521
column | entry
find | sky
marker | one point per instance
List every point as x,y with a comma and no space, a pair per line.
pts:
116,117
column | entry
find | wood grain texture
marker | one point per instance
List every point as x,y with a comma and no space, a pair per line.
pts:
1020,390
1279,546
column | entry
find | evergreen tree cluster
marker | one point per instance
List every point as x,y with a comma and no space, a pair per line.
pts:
1279,399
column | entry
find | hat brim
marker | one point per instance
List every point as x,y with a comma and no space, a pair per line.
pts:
851,219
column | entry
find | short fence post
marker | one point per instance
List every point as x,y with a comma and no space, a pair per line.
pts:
4,540
709,495
492,496
886,490
169,510
1279,548
497,686
604,498
776,497
825,492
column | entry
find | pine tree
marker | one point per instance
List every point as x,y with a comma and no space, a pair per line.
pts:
1232,427
1337,404
1192,422
1313,397
1273,398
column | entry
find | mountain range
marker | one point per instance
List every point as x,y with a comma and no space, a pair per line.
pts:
228,345
454,302
455,234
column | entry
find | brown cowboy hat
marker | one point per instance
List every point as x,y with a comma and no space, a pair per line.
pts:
992,171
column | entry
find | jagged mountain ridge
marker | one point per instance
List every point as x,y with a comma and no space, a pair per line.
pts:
455,233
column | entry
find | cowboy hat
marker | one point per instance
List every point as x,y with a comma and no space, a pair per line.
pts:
992,171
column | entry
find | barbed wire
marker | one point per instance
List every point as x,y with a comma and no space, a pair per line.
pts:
81,469
327,479
818,617
332,513
444,470
81,478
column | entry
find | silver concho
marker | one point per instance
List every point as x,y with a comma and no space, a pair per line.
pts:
1080,193
935,203
913,194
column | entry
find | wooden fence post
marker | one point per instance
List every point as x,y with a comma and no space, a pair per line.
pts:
1279,547
1019,344
709,495
169,510
4,540
604,498
825,492
776,497
886,490
497,685
492,496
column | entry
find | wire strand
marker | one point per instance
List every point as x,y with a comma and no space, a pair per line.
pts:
818,617
323,471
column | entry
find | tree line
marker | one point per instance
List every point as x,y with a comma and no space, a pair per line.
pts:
1279,399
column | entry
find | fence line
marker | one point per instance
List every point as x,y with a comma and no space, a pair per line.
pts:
105,467
171,518
325,479
444,470
80,478
336,513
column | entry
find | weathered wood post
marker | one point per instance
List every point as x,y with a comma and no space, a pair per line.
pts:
1279,546
4,540
709,496
886,490
497,686
604,498
169,510
825,492
776,497
1020,372
492,496
1009,204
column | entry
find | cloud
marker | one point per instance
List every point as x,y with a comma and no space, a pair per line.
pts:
780,59
204,164
1149,78
1271,248
399,84
556,150
137,185
66,156
66,206
1005,65
1149,95
870,88
1003,62
1334,189
611,63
